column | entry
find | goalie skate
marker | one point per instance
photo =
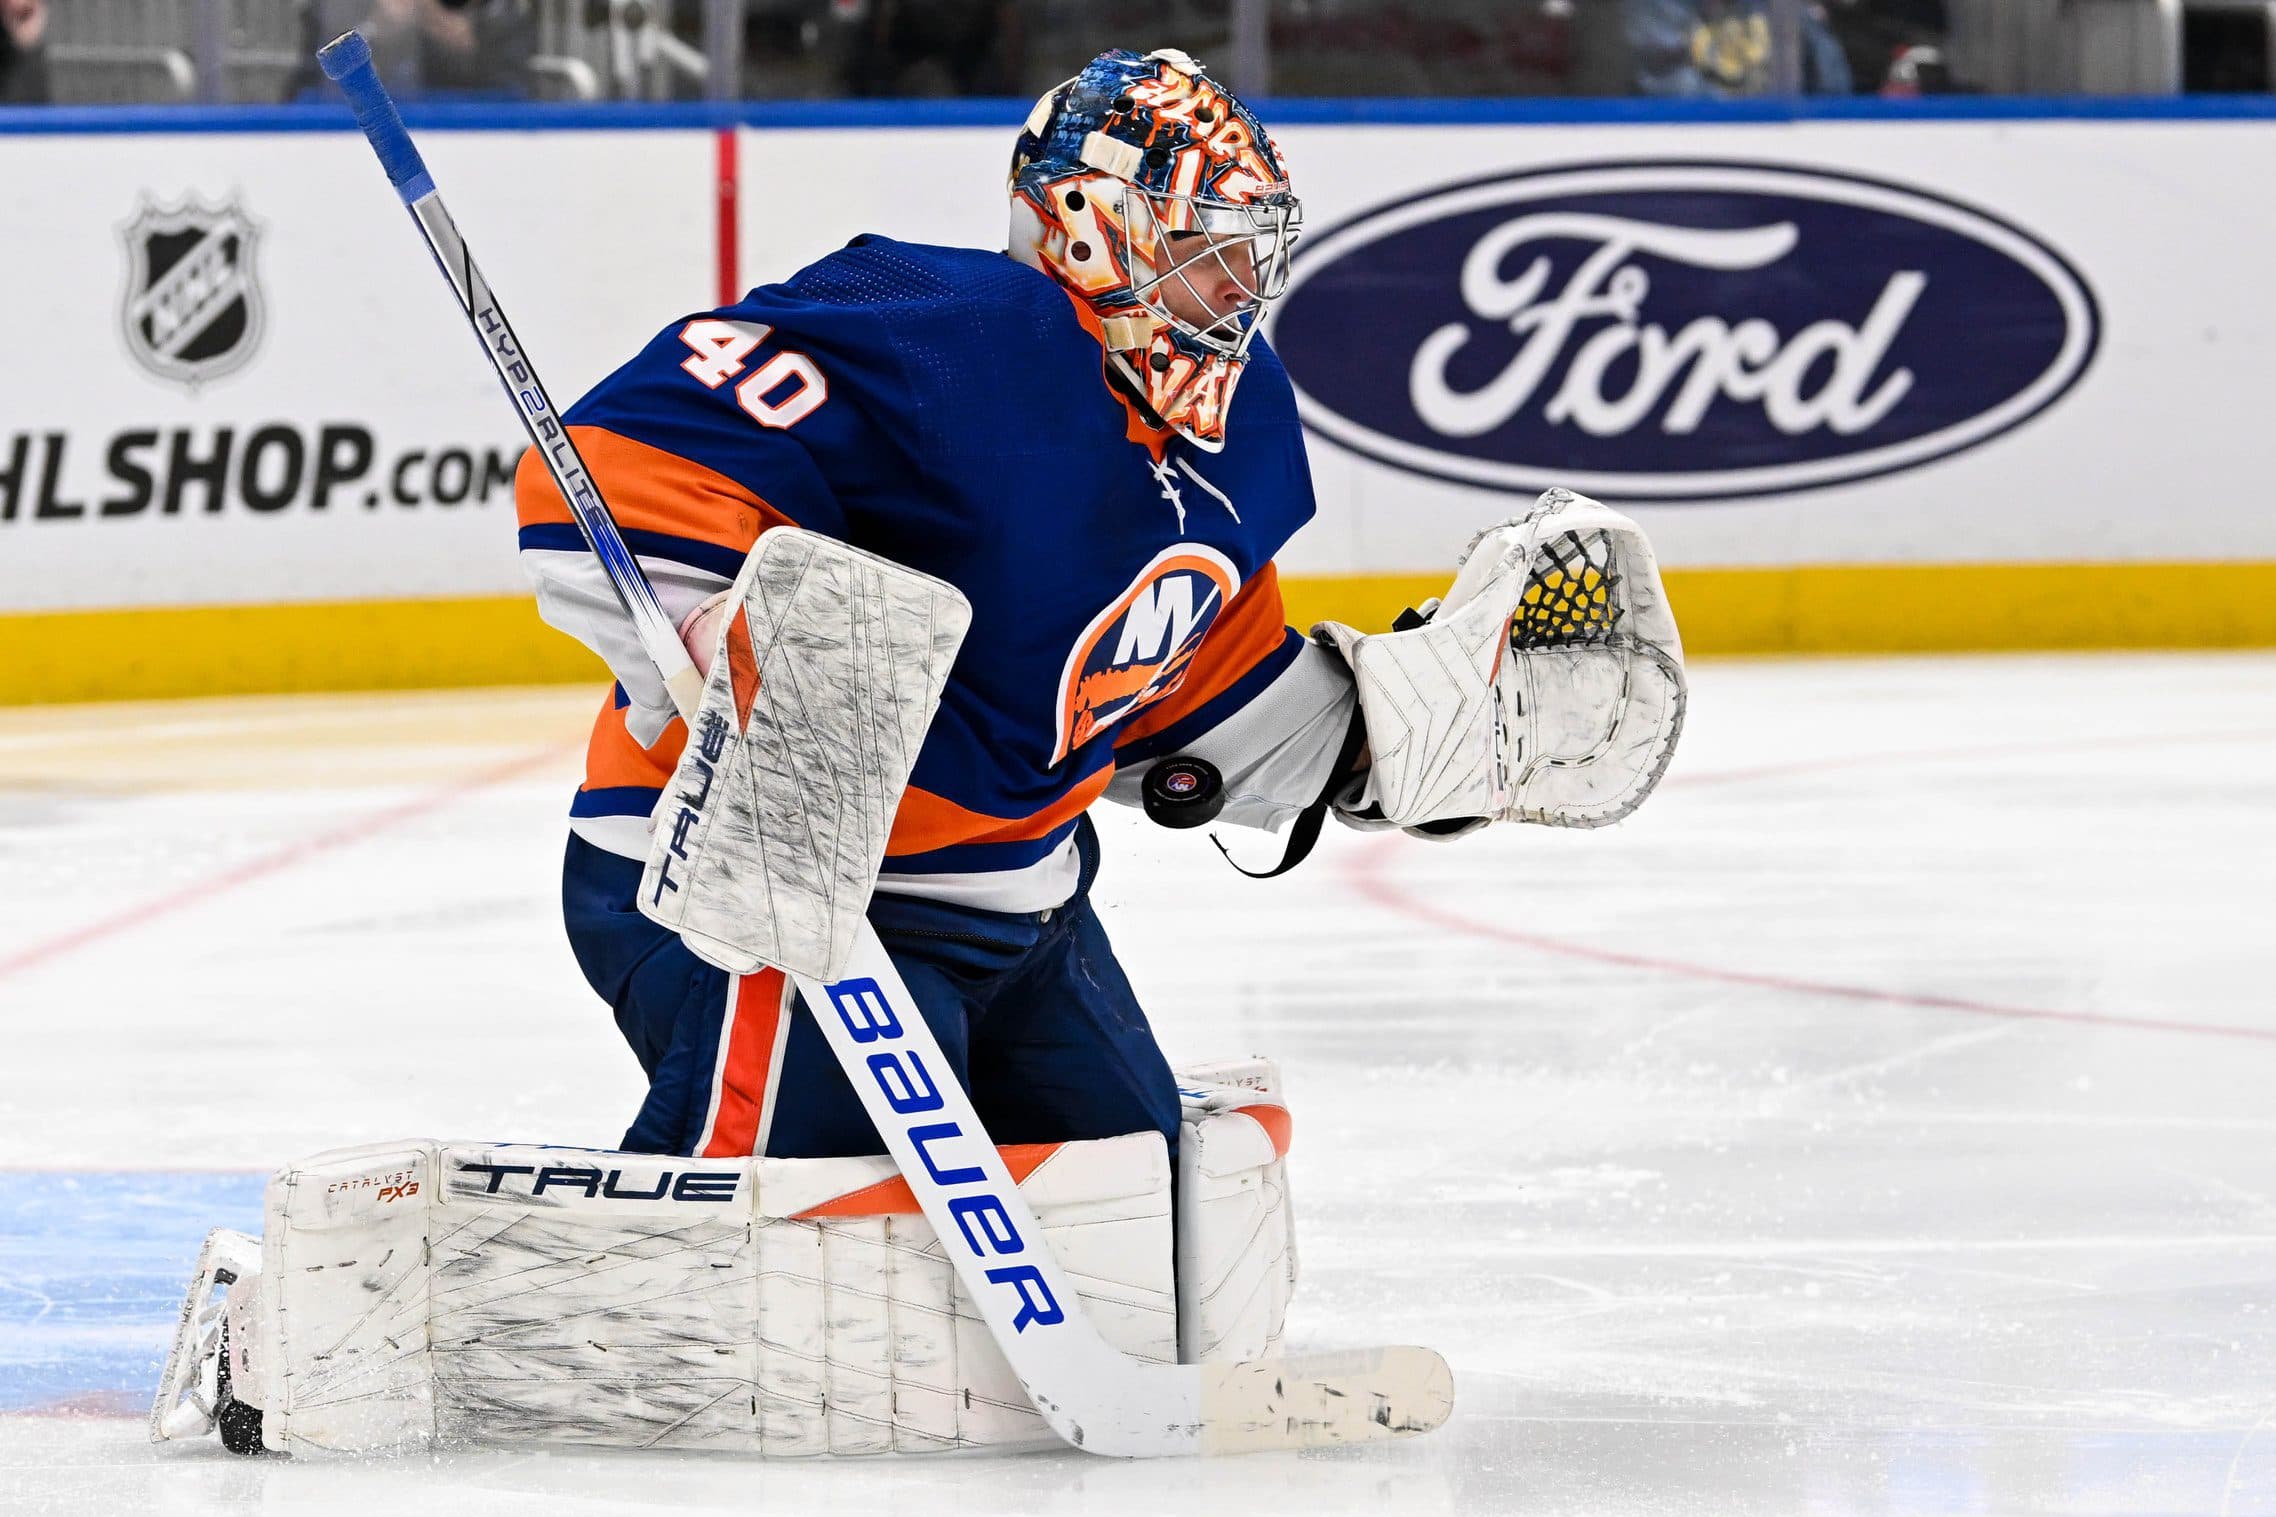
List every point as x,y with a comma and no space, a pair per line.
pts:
195,1392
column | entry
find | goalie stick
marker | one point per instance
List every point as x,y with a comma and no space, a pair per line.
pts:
1093,1396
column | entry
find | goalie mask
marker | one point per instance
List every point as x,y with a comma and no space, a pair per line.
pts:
1160,202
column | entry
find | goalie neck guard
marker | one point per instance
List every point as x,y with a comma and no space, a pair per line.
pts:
1160,202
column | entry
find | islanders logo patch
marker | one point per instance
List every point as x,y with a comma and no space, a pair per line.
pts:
1137,649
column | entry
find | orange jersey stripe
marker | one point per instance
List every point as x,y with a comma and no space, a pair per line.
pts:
648,490
893,1198
614,757
927,821
1247,633
754,1031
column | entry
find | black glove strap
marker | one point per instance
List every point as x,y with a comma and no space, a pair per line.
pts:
1305,835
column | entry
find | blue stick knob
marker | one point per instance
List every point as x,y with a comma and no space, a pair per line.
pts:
346,61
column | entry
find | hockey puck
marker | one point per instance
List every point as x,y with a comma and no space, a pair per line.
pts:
1183,792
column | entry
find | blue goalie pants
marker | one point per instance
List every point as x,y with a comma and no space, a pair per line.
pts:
1030,1008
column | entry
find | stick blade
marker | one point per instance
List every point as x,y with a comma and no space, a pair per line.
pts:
1364,1396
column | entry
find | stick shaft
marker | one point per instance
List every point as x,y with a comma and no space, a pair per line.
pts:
347,62
1092,1394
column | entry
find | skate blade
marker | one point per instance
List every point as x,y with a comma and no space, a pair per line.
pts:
184,1407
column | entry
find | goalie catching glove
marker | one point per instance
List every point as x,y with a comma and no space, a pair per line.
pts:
1547,687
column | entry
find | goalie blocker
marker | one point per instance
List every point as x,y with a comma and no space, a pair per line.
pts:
417,1294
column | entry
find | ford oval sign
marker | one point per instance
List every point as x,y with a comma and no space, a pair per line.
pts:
1678,331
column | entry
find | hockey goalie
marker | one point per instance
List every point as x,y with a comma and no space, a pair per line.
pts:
992,537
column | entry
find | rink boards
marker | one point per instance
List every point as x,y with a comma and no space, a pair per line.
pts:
1871,381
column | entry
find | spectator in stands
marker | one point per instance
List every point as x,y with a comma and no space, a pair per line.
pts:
23,60
1723,47
1895,47
468,47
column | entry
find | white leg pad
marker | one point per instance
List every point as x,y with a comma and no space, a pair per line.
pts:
424,1293
1236,1245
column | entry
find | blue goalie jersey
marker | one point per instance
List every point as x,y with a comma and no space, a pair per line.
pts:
949,409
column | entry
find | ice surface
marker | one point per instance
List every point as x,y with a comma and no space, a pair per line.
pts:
1883,1121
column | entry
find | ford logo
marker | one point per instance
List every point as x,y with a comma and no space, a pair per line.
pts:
1678,331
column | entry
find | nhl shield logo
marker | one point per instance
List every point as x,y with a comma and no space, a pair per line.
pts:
193,305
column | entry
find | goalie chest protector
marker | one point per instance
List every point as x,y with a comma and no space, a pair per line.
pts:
948,409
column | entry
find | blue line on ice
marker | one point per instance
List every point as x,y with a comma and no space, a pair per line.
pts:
92,1269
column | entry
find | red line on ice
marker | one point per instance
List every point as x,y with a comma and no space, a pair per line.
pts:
1365,873
199,891
94,1406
